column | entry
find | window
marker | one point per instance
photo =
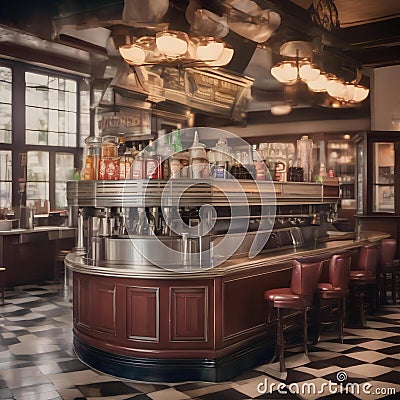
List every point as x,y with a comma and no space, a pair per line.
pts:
5,136
5,104
51,110
42,113
5,179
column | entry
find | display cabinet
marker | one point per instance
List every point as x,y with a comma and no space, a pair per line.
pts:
341,158
383,189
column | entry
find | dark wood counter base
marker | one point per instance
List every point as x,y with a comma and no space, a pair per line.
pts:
168,327
174,369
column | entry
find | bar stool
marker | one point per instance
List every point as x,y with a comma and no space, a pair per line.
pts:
299,296
336,290
60,270
364,279
389,265
2,282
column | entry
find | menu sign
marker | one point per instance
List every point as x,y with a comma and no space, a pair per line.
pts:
137,122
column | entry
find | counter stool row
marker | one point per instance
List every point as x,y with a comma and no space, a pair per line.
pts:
390,266
363,283
306,290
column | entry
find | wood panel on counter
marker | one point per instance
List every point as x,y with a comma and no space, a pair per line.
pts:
174,327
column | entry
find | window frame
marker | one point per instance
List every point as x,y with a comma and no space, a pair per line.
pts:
18,146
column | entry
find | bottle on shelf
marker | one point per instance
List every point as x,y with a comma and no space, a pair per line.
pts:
165,150
125,165
138,164
259,165
109,161
304,156
235,169
199,166
221,158
92,156
176,141
152,163
121,144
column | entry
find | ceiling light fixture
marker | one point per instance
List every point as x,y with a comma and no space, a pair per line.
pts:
299,67
176,48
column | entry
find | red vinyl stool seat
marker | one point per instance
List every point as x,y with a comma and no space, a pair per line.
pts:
2,282
389,266
364,280
298,297
336,290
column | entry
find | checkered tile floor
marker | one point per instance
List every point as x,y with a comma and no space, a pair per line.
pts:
37,361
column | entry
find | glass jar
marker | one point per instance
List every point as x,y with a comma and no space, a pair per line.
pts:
109,148
92,156
109,164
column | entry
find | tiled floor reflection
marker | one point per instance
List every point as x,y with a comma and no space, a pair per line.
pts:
37,361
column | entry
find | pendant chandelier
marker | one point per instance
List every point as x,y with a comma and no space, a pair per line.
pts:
298,66
174,48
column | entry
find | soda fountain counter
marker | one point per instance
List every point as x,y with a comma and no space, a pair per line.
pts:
168,289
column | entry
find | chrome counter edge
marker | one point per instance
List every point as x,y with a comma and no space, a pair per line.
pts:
77,263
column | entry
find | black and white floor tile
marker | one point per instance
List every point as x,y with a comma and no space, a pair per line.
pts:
37,361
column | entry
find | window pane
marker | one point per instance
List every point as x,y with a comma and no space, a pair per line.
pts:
5,92
53,120
34,80
5,74
64,166
5,195
61,139
32,137
64,172
5,105
5,165
37,187
61,196
71,122
5,123
38,166
383,177
53,138
37,193
30,97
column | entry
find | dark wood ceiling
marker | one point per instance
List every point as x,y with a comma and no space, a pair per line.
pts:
369,31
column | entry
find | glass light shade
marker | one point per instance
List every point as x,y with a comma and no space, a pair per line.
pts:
308,72
172,43
336,88
281,109
360,93
209,49
349,92
132,54
319,85
285,72
224,59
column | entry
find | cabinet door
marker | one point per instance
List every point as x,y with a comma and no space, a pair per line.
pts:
341,159
383,190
